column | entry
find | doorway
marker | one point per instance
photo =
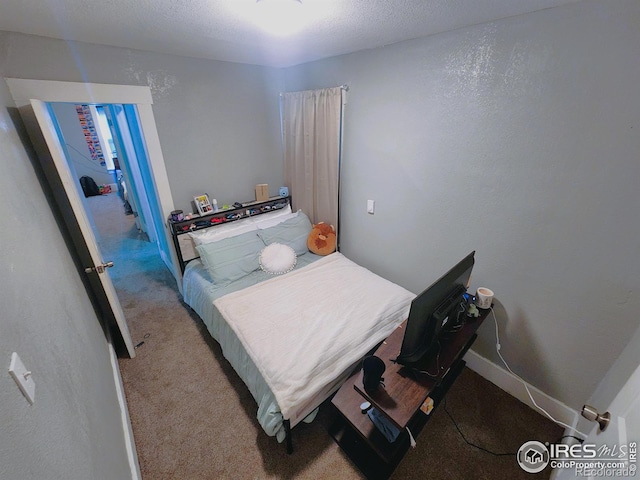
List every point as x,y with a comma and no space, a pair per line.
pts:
31,98
136,99
98,145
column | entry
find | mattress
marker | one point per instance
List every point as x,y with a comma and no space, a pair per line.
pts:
199,293
302,332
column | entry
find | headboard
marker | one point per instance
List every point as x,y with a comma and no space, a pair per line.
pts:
183,243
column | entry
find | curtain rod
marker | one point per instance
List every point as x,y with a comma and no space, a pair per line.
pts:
344,87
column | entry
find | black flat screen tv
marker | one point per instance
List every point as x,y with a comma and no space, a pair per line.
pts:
431,312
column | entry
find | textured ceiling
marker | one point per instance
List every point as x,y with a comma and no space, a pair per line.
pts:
229,29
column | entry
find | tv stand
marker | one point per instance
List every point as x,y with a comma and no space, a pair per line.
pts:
405,391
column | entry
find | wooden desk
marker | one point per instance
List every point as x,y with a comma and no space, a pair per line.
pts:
400,400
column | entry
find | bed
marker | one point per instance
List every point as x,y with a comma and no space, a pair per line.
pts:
293,334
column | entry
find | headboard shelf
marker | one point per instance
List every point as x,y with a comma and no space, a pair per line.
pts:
221,217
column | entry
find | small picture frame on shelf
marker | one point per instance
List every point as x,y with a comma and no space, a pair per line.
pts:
203,204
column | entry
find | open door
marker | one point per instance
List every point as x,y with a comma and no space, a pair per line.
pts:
41,127
130,164
139,98
615,436
131,124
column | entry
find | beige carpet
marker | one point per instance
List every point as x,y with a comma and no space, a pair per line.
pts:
194,419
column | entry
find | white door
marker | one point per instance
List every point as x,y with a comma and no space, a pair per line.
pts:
41,128
623,431
129,162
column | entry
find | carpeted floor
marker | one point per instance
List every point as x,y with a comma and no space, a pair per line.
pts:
193,418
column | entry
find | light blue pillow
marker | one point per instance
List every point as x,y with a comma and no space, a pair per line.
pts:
231,258
293,232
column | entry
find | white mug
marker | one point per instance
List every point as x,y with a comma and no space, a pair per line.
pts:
484,298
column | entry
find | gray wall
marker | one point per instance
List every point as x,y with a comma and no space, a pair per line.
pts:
518,139
218,122
218,125
73,431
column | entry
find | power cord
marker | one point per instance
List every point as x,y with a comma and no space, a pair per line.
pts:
455,326
557,422
502,454
505,454
433,375
581,440
455,424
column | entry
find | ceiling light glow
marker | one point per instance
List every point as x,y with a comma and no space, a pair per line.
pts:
280,17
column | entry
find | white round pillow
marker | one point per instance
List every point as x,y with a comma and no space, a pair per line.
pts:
277,259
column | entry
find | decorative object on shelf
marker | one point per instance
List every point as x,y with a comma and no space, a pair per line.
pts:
262,192
177,216
427,406
484,298
284,191
203,204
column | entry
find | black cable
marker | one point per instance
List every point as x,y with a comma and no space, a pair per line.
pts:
433,375
581,440
467,441
458,323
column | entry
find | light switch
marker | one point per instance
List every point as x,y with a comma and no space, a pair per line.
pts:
371,206
23,377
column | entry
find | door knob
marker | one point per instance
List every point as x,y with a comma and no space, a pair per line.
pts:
99,268
592,415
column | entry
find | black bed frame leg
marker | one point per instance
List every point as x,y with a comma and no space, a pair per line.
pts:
287,433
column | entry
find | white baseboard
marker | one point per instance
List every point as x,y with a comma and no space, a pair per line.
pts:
130,445
514,386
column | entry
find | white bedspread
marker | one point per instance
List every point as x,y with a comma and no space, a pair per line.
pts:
305,328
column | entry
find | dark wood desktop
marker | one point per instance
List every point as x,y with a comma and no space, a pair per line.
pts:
405,391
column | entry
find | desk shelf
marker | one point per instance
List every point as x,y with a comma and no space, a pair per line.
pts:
399,401
367,448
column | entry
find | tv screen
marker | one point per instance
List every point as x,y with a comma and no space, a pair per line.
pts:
431,311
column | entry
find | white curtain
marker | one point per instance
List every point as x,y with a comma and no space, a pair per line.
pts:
311,128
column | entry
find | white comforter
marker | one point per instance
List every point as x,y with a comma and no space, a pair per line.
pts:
305,328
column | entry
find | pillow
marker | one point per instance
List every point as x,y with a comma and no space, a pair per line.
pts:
231,258
322,239
225,230
293,232
266,220
277,259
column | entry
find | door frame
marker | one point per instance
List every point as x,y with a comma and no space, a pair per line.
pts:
23,90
